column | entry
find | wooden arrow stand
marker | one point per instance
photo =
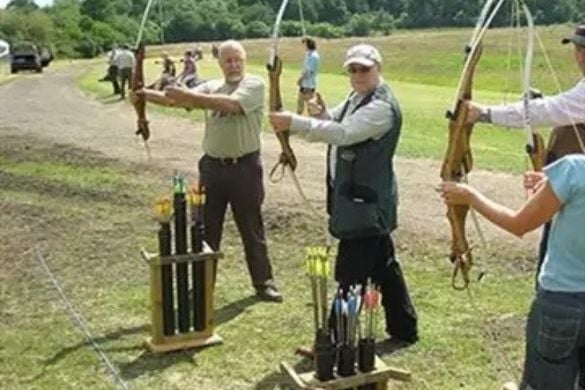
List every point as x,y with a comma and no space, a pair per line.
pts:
158,342
379,378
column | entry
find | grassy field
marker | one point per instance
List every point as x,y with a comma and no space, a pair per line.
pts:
90,214
423,68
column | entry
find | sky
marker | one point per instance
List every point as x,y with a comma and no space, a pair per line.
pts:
40,3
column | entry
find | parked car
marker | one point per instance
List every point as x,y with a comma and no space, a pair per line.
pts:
28,56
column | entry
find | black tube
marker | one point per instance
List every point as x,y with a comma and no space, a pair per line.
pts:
346,360
324,356
199,287
182,268
164,245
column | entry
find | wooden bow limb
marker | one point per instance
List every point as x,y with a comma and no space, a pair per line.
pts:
535,146
287,157
537,152
457,164
139,102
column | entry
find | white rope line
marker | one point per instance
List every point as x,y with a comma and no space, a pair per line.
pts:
80,321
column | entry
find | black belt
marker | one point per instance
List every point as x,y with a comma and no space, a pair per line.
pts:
233,160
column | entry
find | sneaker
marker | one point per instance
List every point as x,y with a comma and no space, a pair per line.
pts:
510,386
269,293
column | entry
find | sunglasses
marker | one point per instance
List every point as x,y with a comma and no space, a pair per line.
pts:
358,69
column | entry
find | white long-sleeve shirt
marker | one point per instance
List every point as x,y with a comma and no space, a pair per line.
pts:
371,121
563,109
124,59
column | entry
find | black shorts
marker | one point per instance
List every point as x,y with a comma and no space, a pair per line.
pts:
306,90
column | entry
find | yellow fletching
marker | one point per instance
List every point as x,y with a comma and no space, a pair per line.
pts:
163,209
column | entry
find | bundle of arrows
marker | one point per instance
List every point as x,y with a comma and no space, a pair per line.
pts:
371,308
318,270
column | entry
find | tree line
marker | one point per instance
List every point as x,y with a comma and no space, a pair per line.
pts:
85,28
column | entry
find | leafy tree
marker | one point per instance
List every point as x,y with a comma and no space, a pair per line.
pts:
291,28
258,11
85,27
325,30
257,29
101,10
227,29
383,22
333,11
23,5
360,25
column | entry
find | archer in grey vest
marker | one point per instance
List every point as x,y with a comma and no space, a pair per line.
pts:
362,133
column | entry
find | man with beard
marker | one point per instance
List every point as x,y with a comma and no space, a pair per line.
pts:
231,169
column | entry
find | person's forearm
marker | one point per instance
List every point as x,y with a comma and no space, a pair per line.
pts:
563,109
215,102
500,215
158,97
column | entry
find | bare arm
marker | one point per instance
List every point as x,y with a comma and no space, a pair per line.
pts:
537,210
157,97
194,99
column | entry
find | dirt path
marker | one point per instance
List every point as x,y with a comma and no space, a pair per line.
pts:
51,108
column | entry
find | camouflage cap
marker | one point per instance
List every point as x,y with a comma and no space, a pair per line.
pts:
366,55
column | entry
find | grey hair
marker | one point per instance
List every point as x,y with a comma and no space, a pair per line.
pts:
232,44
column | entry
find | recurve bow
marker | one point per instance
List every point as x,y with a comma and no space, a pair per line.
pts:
535,146
458,161
287,157
139,101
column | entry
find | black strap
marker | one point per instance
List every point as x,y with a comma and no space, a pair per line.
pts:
364,101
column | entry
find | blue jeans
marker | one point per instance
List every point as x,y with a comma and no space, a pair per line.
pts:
554,333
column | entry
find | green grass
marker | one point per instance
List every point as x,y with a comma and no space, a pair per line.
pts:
91,230
423,68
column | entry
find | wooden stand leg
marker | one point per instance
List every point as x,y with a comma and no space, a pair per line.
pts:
380,377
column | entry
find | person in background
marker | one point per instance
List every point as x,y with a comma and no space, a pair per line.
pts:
188,76
307,82
112,73
125,62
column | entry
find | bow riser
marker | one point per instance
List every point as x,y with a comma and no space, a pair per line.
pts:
139,101
537,153
458,158
457,164
287,156
274,95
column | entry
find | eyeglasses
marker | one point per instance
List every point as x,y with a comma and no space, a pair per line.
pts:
358,69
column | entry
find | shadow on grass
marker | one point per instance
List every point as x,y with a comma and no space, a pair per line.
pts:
59,355
110,99
234,309
279,380
150,362
108,337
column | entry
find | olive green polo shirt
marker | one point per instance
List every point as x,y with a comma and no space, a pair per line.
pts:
234,135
